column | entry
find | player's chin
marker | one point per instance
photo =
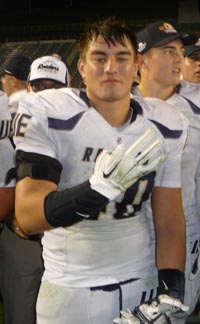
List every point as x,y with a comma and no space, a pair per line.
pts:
197,77
112,96
175,80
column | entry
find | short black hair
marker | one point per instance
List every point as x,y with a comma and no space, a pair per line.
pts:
111,29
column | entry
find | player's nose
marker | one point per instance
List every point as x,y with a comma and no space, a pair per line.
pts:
111,65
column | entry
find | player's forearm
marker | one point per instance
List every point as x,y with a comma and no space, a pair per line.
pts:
169,227
29,206
30,214
40,210
171,248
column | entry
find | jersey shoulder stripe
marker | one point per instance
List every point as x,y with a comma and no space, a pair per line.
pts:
166,132
195,108
61,124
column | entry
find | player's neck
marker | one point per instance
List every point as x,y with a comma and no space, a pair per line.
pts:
115,113
156,91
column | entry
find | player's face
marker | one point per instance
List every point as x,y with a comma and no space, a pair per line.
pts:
164,63
191,68
108,71
41,85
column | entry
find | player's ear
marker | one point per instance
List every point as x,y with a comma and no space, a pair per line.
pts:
143,61
14,81
140,60
136,68
81,69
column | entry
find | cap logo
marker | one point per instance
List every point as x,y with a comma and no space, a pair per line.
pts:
167,28
141,47
198,42
48,67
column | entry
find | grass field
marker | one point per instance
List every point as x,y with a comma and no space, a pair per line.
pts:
195,319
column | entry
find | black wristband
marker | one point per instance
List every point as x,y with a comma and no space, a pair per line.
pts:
69,206
172,283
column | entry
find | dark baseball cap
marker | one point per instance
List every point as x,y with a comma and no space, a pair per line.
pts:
160,33
18,66
190,49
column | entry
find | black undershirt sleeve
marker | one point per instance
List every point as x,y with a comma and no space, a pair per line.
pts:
172,283
69,206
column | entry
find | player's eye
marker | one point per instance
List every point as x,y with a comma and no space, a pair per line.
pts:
195,57
100,59
122,59
38,86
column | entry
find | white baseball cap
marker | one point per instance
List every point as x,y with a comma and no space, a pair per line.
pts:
48,68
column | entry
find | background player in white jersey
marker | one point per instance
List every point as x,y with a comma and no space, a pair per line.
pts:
21,255
21,259
161,48
6,159
96,243
190,82
7,193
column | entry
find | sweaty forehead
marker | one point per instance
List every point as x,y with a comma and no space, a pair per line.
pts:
100,44
173,44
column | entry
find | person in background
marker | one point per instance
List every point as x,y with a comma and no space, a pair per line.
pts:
6,161
7,192
21,260
189,88
91,205
161,50
69,77
47,72
21,254
191,69
190,80
14,80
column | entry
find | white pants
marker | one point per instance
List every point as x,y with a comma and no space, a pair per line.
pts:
63,305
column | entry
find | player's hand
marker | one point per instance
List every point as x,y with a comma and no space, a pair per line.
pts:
170,305
156,312
116,171
126,318
13,223
143,314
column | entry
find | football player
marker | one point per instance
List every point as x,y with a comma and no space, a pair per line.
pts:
21,254
161,49
87,163
189,86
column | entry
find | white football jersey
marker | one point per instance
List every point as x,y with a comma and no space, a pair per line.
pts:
4,111
6,148
6,160
116,245
191,91
190,161
5,116
14,99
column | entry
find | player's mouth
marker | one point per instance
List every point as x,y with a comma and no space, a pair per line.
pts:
111,81
177,70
